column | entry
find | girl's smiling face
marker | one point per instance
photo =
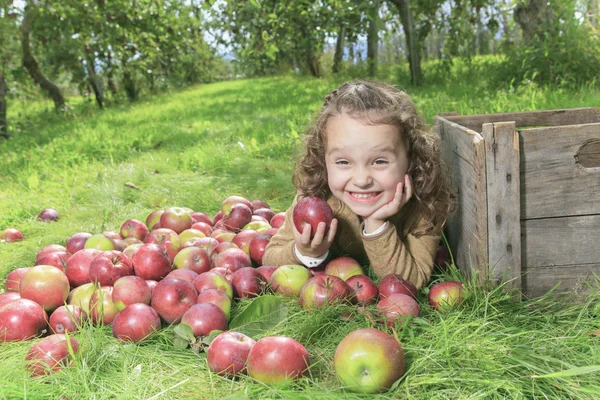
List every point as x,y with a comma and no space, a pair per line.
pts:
364,163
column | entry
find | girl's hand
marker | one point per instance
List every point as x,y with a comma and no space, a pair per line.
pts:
319,244
403,193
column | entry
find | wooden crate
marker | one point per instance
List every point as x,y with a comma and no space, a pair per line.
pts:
528,191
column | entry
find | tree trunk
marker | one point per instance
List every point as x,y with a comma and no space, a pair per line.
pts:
129,86
535,19
32,66
3,120
339,50
109,77
94,81
412,44
373,39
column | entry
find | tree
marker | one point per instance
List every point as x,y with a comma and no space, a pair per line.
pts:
412,43
373,37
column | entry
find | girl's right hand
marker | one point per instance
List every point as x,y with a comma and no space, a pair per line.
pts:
319,244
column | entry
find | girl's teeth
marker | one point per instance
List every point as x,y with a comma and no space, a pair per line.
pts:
362,196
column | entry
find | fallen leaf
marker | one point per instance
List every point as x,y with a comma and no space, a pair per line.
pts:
132,185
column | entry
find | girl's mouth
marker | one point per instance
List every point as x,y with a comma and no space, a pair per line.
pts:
366,197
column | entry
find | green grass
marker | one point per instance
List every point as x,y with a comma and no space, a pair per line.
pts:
195,147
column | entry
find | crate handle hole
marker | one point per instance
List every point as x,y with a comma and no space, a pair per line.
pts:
588,155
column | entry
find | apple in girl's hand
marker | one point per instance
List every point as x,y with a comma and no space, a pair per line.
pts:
216,297
364,290
312,210
257,247
76,242
134,228
130,290
213,280
177,219
135,322
247,282
51,354
445,294
396,307
10,235
288,280
277,220
323,290
394,283
343,267
151,262
46,285
172,297
67,318
277,359
194,259
22,319
228,352
368,361
49,214
13,279
204,318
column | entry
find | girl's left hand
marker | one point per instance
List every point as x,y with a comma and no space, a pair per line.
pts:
404,191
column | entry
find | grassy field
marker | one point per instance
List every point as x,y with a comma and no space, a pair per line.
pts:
197,146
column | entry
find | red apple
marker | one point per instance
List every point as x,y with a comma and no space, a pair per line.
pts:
258,225
133,228
228,352
22,319
112,235
172,297
311,210
396,307
130,250
130,290
76,242
206,243
368,361
194,259
190,234
266,271
185,274
217,297
266,213
230,201
78,266
238,216
153,219
109,266
10,235
247,282
56,259
343,267
167,239
213,280
51,354
277,220
7,297
443,258
203,227
222,235
232,259
102,308
320,291
444,295
204,318
258,204
176,219
221,247
394,283
47,215
243,239
258,218
135,322
151,262
46,285
67,318
201,217
257,247
364,290
49,249
277,359
288,280
218,216
13,279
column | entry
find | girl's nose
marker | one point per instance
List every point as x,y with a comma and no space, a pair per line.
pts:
362,178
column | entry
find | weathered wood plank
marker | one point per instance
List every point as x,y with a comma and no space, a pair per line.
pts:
576,279
553,182
571,116
503,202
463,153
561,241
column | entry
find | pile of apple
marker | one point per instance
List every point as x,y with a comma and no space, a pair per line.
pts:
182,266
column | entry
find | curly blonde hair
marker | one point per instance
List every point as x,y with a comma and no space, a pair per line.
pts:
377,103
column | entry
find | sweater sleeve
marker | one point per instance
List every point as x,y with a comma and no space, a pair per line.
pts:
407,255
280,250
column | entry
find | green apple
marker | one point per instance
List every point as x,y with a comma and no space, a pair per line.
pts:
288,280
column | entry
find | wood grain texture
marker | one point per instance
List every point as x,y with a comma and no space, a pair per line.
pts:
553,182
571,116
503,202
463,153
574,279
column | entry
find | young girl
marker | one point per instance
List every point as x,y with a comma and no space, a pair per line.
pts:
372,157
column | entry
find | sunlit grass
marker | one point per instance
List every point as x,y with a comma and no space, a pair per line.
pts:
197,146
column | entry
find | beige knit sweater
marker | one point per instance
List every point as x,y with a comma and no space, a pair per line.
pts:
395,250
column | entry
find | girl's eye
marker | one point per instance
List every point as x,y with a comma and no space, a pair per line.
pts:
341,162
380,162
